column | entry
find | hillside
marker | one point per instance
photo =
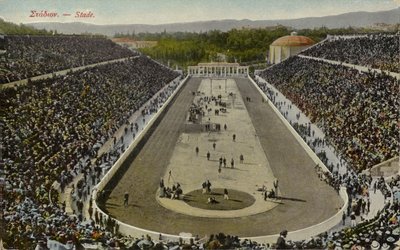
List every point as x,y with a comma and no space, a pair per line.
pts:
15,29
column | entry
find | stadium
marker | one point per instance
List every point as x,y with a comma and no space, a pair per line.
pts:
104,147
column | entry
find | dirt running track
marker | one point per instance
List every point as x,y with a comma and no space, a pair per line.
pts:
308,200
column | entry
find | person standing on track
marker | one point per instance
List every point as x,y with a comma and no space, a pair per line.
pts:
208,183
226,197
276,185
126,199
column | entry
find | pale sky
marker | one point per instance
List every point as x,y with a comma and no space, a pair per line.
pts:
170,11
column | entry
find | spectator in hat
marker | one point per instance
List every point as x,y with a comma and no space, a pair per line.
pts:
375,245
281,242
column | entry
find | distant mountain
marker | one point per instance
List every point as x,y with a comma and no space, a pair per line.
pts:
354,19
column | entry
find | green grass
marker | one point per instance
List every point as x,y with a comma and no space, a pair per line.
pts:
237,199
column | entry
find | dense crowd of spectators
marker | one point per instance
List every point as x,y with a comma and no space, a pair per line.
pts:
339,175
28,56
378,51
357,111
343,101
52,128
358,188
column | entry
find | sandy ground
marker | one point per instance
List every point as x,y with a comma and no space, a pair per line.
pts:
265,143
191,170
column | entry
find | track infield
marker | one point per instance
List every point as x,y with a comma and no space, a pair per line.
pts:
305,200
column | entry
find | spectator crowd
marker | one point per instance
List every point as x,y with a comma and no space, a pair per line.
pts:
356,110
356,234
28,56
377,51
52,128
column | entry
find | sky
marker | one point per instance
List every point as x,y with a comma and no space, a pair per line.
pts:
171,11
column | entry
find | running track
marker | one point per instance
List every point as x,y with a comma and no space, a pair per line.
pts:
309,201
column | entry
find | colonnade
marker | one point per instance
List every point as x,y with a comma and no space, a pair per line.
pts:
218,69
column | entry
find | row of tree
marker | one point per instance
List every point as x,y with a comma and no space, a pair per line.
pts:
236,45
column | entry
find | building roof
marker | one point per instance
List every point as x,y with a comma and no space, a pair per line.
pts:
293,41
